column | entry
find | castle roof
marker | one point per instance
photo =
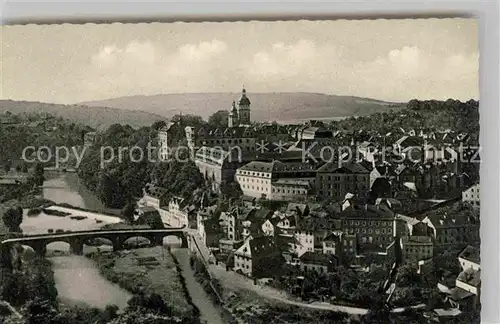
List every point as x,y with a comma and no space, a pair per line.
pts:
244,101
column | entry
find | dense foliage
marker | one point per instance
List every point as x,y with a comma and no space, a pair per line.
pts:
431,115
37,130
118,179
12,218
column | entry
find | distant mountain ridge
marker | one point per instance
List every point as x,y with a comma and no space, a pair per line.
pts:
265,106
95,116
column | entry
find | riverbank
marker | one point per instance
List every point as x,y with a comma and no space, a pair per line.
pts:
148,270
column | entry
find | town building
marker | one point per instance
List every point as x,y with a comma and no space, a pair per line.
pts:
305,241
417,248
318,262
374,226
255,178
335,180
465,291
178,212
448,230
258,257
470,258
332,243
471,196
174,213
217,165
276,180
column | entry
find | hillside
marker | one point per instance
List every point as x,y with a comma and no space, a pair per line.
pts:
284,107
95,116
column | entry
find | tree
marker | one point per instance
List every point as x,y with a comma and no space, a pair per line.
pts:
219,119
7,165
230,189
127,212
39,311
38,176
13,218
110,313
158,124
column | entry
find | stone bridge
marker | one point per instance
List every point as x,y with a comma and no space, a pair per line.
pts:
78,239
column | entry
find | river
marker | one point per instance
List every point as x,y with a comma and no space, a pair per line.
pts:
77,278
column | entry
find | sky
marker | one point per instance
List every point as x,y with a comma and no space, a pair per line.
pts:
392,60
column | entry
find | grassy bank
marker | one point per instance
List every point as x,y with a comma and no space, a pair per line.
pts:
148,270
117,214
212,287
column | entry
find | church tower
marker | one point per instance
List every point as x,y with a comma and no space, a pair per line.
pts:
244,108
233,116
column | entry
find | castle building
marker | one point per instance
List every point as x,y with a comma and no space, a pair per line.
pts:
240,111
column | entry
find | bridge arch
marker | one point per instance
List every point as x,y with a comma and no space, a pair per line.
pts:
138,240
58,245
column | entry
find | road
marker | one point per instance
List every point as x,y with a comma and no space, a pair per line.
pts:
232,279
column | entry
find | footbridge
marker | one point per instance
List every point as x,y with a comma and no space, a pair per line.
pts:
78,239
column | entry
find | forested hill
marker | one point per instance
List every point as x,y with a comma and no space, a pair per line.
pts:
281,107
431,115
96,117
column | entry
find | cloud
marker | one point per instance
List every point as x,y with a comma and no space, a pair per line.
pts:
399,74
147,68
283,60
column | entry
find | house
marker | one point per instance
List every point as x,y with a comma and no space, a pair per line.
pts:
284,223
368,150
290,189
349,242
229,246
332,243
258,257
255,179
268,228
302,210
471,196
178,212
318,262
371,224
469,258
335,181
467,290
311,133
417,248
230,224
452,228
409,147
276,180
305,241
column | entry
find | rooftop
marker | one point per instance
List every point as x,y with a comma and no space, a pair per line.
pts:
260,166
318,258
350,167
471,253
470,276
